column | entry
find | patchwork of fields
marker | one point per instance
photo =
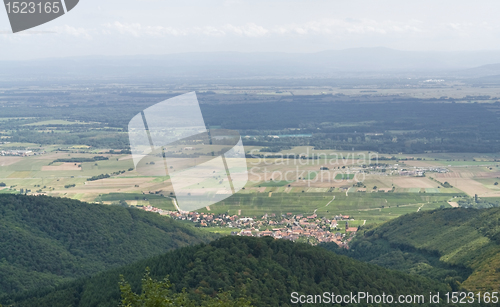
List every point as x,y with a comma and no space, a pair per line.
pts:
324,186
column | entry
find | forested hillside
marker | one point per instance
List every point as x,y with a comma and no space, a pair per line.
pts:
458,246
264,270
45,241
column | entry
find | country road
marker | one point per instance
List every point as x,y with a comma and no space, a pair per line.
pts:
330,201
326,204
175,204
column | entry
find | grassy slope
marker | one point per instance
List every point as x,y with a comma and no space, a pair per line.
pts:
466,238
46,241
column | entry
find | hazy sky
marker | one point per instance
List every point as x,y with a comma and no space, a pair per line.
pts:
125,27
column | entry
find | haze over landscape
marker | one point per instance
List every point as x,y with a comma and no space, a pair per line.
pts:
134,27
366,135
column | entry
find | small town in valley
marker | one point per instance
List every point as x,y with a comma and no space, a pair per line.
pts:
303,228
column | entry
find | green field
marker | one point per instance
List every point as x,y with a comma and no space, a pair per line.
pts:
275,183
373,207
18,145
432,190
344,176
155,200
220,230
467,163
311,175
7,191
160,179
129,196
55,122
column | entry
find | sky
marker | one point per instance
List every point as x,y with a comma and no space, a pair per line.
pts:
143,27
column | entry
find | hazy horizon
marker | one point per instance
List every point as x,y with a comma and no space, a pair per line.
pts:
153,27
347,63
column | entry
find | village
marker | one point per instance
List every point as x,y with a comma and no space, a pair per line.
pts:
19,153
311,229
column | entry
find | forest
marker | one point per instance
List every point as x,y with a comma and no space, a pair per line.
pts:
387,124
459,246
263,270
46,240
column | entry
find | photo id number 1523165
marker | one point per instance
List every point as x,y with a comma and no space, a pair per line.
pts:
22,7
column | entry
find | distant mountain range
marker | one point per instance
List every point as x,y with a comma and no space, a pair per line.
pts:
482,71
359,62
485,74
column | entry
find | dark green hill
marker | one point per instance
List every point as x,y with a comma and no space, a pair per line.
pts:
459,246
45,241
266,270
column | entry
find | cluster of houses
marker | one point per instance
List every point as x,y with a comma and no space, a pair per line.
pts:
154,209
414,173
20,153
420,171
286,226
438,170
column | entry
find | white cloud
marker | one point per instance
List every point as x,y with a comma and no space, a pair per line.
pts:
349,26
136,29
73,31
327,26
250,30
